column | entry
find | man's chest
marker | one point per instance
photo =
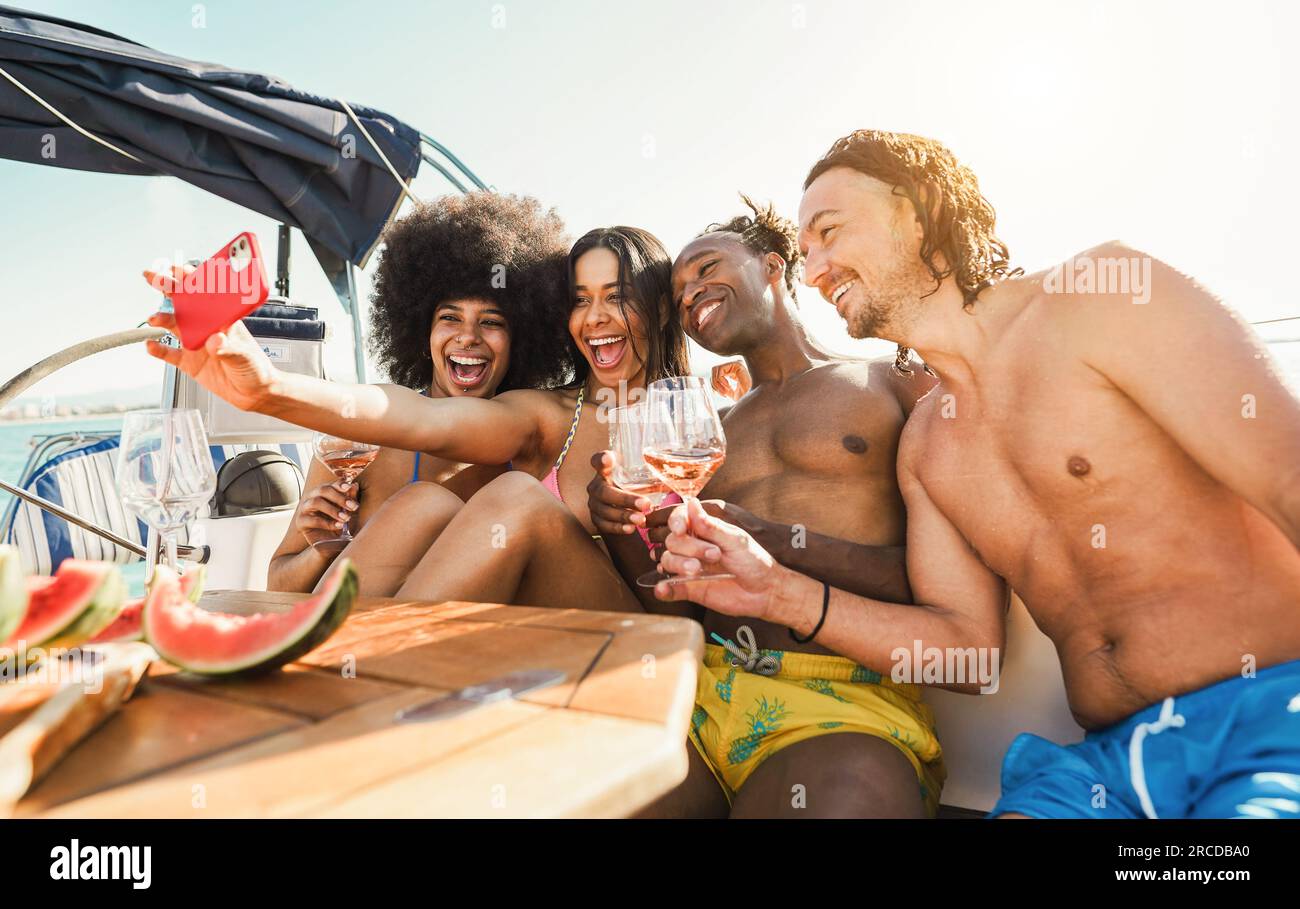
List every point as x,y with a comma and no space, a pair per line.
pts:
1023,470
816,431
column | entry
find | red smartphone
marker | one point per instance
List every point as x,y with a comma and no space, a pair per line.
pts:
219,292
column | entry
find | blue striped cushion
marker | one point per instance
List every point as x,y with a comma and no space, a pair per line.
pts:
84,480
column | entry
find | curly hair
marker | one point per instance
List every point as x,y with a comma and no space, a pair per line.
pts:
956,220
486,245
766,232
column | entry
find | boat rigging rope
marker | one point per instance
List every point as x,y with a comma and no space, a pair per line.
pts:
50,107
379,151
109,145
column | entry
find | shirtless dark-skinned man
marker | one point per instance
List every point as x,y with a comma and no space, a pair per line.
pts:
1107,437
810,472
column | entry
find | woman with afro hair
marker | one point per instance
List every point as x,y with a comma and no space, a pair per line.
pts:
526,536
459,279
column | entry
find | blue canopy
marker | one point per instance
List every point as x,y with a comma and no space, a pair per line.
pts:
247,137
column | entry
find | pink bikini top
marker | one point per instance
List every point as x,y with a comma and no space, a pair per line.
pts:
552,480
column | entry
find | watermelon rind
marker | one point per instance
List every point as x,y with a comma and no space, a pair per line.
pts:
13,592
103,608
95,598
337,595
193,581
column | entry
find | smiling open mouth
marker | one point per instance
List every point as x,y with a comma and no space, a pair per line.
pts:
467,372
840,290
705,313
608,352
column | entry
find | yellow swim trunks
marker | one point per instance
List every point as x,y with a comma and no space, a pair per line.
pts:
741,719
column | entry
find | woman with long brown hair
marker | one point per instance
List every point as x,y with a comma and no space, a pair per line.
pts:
526,536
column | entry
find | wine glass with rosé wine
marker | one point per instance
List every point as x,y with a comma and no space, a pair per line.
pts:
345,459
684,447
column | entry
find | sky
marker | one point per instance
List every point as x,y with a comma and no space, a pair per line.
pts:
1169,125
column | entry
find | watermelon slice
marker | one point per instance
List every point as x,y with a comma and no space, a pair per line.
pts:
73,606
220,643
128,626
13,592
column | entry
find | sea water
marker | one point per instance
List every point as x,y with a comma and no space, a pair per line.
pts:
15,440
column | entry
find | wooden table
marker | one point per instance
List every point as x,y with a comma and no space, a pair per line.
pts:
319,739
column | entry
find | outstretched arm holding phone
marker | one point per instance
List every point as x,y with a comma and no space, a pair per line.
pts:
232,365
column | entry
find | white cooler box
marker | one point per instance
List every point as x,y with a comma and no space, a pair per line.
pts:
294,338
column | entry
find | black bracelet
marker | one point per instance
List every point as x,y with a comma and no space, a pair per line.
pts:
826,605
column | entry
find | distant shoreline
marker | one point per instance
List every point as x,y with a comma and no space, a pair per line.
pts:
70,418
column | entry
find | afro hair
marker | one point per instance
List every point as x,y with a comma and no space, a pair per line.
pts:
483,245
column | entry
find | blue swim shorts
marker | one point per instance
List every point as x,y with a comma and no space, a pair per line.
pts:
1231,750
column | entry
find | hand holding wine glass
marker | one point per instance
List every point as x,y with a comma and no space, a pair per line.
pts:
346,460
322,511
698,538
684,444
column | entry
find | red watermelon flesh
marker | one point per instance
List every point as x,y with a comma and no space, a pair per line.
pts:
69,608
219,643
128,626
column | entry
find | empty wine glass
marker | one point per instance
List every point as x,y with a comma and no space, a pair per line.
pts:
164,471
345,459
684,447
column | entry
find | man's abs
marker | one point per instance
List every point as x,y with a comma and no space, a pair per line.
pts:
1150,577
816,454
1214,597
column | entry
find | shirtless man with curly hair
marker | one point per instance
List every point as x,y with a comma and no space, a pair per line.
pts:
1108,438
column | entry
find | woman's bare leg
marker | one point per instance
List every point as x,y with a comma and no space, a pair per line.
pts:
513,542
399,534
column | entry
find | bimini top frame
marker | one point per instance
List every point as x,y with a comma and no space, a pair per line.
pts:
78,97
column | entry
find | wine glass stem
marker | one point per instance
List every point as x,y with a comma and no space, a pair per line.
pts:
169,549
